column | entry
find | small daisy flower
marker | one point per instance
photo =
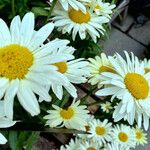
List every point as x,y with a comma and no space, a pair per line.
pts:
113,146
140,136
75,21
86,128
106,107
89,145
75,71
75,4
103,8
74,117
73,145
100,131
131,85
97,66
123,136
25,63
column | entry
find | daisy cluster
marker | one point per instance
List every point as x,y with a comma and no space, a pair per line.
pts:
82,17
30,67
103,135
127,81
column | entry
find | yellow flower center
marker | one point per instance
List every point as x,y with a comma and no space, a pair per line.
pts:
137,85
100,130
78,16
106,69
15,60
147,70
90,148
138,135
123,137
62,66
98,7
107,106
67,114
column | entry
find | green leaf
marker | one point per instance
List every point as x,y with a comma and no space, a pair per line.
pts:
12,139
21,139
39,11
32,140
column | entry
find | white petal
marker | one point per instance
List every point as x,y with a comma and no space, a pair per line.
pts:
3,140
9,98
5,37
41,35
58,90
5,122
107,91
41,91
15,30
27,99
27,29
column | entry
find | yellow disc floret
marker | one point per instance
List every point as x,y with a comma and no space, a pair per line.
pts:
98,7
67,114
62,66
78,16
100,130
91,148
15,60
137,85
123,137
139,135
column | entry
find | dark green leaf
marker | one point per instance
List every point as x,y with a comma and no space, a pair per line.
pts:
12,139
39,11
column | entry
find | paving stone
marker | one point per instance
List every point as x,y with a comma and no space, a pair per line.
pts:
125,25
141,34
89,100
44,144
118,42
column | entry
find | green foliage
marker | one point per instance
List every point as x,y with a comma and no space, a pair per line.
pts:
20,139
10,8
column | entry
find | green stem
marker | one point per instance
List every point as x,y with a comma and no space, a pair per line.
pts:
13,7
51,9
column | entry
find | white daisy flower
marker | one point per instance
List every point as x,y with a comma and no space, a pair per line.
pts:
113,146
75,71
140,136
4,122
123,136
97,66
74,117
25,63
131,85
100,131
103,8
86,128
75,4
106,107
75,21
73,145
89,145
